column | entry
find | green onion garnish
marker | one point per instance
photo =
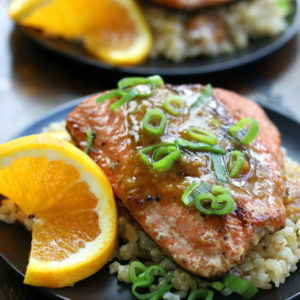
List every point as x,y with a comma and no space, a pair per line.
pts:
202,135
206,95
199,146
217,285
125,98
126,90
201,293
236,161
252,131
108,95
163,156
89,141
154,116
219,167
209,204
143,277
174,105
132,81
208,199
242,287
193,191
136,268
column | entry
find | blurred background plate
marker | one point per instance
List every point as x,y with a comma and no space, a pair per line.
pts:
201,65
15,240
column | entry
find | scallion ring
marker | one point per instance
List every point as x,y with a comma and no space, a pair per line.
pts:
223,204
89,141
174,105
218,190
217,285
219,167
204,203
109,95
242,124
165,163
132,81
146,279
162,159
202,136
193,191
154,122
125,98
205,96
199,146
135,269
236,161
242,287
201,293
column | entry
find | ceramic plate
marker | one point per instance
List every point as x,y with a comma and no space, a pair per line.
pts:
15,240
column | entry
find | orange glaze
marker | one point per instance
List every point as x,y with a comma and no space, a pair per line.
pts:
204,245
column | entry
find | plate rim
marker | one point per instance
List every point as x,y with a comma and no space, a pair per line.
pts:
275,45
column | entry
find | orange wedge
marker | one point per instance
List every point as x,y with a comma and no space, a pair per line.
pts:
75,228
115,31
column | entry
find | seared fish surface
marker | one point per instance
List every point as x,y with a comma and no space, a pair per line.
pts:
206,245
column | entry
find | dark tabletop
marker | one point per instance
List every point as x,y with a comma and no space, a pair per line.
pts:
33,81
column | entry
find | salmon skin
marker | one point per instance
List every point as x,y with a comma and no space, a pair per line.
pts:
206,245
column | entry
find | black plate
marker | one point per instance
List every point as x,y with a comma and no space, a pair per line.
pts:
200,65
15,240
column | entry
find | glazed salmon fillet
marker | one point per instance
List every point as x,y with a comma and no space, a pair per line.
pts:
190,4
206,245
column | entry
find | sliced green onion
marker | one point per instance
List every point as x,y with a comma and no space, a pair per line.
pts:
217,285
201,293
205,96
89,141
202,135
218,190
174,105
285,6
223,204
132,81
166,162
145,279
240,286
145,151
204,203
125,98
108,96
193,191
161,152
199,146
126,93
219,167
154,116
135,269
236,161
162,159
242,124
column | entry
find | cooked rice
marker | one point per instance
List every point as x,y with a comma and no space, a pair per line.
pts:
242,21
268,264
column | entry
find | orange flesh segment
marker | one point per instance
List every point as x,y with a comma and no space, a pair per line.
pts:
63,205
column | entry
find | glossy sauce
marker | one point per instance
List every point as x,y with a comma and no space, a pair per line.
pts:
140,183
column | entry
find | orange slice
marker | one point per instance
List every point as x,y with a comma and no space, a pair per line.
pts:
115,31
75,227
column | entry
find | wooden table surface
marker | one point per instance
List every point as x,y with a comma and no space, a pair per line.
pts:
33,81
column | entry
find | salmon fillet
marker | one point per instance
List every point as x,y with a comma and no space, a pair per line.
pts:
206,245
190,4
